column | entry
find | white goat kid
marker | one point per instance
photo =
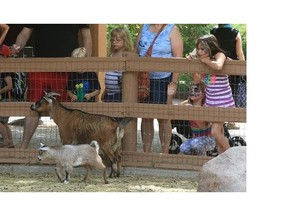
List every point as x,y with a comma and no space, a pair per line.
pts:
68,156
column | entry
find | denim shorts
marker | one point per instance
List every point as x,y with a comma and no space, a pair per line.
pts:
158,90
115,97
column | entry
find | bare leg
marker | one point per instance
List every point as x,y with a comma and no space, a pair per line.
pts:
9,142
30,126
165,133
8,130
147,133
4,134
221,141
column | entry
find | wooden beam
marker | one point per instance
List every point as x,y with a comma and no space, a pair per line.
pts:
138,110
133,64
99,41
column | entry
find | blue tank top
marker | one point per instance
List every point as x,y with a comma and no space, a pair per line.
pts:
162,47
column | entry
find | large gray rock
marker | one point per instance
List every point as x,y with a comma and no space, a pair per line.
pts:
224,173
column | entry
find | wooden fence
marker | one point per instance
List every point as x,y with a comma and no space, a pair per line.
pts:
129,107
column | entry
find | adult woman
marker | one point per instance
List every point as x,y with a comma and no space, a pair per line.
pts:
5,89
168,44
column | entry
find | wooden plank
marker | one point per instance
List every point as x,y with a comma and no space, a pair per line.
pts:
129,159
182,65
138,110
134,64
61,64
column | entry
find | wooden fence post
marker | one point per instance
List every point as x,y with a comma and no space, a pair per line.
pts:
130,95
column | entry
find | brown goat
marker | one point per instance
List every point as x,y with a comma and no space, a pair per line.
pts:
76,127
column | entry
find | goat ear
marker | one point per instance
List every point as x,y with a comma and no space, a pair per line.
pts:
43,147
50,94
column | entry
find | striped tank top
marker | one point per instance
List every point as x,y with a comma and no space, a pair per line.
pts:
218,91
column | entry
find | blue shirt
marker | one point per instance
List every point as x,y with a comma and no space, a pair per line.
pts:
162,47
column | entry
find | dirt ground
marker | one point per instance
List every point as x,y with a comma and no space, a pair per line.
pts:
47,132
48,182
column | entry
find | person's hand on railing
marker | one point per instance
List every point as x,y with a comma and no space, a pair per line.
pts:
15,49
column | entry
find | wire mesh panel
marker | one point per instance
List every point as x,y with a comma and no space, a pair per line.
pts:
179,117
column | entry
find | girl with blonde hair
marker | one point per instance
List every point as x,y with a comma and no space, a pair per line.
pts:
120,43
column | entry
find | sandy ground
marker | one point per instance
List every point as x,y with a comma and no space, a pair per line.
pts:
48,182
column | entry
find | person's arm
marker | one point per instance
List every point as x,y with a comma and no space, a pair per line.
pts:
8,86
90,95
87,40
239,50
196,76
215,64
185,103
135,50
177,51
202,124
72,96
4,29
22,38
177,48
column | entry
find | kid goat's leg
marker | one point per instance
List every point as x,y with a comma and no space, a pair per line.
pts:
88,172
60,173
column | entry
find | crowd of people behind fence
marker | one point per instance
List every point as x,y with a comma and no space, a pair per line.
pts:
60,40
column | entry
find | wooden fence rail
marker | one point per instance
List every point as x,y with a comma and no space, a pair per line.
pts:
129,107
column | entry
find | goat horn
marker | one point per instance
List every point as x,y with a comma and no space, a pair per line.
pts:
50,94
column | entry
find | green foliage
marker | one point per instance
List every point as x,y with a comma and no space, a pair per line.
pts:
133,29
190,33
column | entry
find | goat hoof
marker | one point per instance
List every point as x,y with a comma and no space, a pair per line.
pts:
66,182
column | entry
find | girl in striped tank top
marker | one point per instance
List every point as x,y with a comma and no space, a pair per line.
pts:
120,44
218,91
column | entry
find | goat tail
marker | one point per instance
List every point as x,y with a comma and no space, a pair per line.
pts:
124,121
95,145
